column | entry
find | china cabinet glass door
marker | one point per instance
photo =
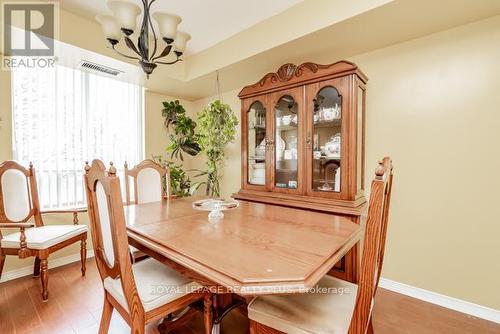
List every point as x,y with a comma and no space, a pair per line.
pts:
256,144
325,135
287,148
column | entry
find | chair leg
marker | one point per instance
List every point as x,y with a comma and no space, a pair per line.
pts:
44,277
138,329
107,312
2,262
137,323
207,313
83,255
36,267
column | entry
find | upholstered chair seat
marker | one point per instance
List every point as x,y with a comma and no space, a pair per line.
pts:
326,309
156,283
43,237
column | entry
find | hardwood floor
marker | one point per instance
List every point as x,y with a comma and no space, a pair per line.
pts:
75,304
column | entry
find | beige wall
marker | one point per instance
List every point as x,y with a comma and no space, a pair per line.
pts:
433,105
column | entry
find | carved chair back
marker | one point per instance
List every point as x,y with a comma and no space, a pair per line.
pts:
374,246
109,232
18,194
148,179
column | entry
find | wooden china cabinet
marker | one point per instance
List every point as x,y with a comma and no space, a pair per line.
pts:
303,142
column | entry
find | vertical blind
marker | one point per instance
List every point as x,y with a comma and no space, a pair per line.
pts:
63,117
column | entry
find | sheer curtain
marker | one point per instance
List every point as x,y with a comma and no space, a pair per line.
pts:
63,117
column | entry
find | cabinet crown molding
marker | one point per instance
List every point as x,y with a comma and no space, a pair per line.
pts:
289,75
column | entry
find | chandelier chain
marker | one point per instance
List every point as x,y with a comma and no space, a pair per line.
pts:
218,85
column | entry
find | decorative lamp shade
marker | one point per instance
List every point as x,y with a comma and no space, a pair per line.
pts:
168,24
109,27
180,41
125,13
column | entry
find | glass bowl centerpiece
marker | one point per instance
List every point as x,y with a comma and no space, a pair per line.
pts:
215,206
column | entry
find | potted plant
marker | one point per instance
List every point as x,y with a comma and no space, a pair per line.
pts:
184,138
217,127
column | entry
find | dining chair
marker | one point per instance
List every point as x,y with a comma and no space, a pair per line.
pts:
143,292
151,182
345,307
20,209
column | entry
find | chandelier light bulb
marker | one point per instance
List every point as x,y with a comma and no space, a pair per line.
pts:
180,42
126,14
168,25
110,28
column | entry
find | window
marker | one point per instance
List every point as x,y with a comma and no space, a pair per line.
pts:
63,117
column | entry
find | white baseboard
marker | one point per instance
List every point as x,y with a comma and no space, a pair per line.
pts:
53,263
442,300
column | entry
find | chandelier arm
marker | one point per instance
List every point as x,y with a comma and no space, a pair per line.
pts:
169,63
154,33
124,55
165,53
131,46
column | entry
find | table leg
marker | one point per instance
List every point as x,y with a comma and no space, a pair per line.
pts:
221,301
223,305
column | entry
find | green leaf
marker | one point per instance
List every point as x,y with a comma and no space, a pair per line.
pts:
183,127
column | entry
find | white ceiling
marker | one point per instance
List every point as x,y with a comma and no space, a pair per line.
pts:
207,21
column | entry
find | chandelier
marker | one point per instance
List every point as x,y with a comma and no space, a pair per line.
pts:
123,23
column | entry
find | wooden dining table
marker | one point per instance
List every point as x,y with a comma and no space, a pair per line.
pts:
256,249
